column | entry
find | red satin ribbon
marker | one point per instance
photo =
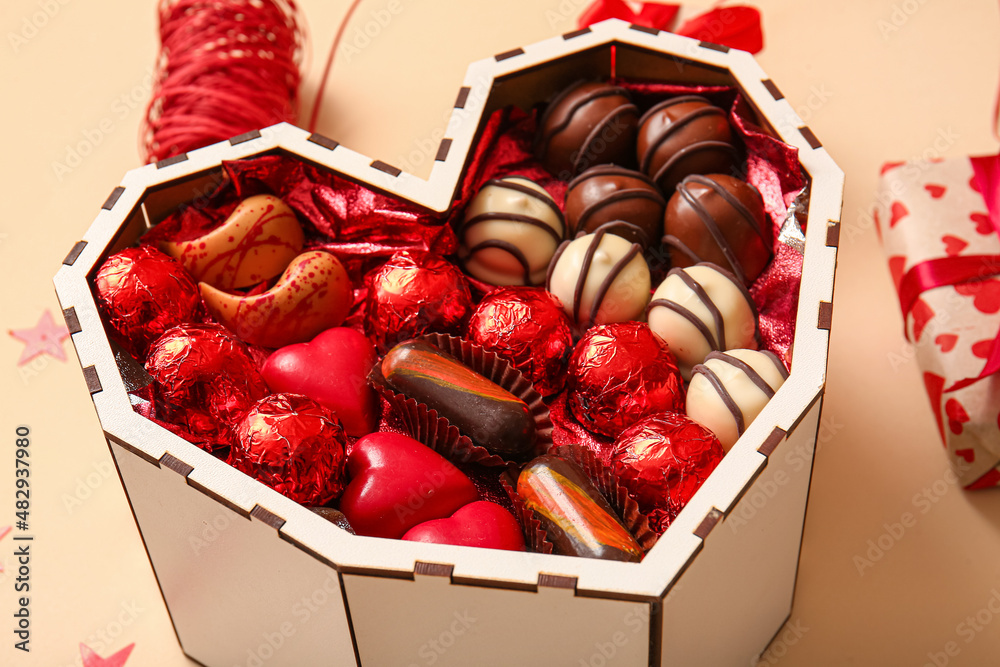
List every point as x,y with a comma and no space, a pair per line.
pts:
950,271
736,27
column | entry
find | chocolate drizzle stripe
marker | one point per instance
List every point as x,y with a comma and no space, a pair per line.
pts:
609,280
675,242
673,128
698,146
713,229
609,170
508,247
508,217
746,369
593,135
696,321
613,225
777,363
552,264
669,103
581,280
617,196
727,399
531,192
730,199
713,310
586,99
746,296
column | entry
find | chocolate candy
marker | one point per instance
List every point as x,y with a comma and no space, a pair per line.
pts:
730,389
511,230
141,293
586,124
255,243
600,278
700,309
718,219
313,294
681,136
488,414
627,200
528,327
336,517
294,445
578,521
620,373
398,483
480,524
413,293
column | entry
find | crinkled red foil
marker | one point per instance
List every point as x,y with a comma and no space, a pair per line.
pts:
412,294
664,459
294,445
620,373
204,380
142,293
528,327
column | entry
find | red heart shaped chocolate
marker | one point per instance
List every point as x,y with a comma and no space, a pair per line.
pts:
479,524
398,483
332,369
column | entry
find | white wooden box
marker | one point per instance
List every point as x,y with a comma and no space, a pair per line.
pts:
249,577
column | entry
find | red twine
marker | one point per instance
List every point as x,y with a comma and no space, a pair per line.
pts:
225,67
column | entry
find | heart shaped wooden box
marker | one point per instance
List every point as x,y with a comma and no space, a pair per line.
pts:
250,577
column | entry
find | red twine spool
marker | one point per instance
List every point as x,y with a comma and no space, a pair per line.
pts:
225,67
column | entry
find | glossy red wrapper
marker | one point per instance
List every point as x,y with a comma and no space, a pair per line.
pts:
412,294
294,445
528,327
204,380
142,293
664,459
620,373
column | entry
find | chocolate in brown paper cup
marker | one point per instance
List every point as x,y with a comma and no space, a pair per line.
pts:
429,427
534,535
614,491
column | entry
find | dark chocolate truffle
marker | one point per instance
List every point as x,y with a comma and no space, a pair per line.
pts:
587,124
718,219
681,136
625,199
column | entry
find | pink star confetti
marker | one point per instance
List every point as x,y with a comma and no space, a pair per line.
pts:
91,659
45,338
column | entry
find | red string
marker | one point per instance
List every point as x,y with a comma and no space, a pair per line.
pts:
225,67
329,63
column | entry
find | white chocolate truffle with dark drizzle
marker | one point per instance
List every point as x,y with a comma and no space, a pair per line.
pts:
600,278
511,230
729,390
701,309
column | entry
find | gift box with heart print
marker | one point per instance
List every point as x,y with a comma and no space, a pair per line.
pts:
935,226
284,586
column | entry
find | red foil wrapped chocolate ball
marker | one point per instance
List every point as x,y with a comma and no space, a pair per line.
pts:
620,373
204,380
664,459
528,327
142,293
294,445
415,293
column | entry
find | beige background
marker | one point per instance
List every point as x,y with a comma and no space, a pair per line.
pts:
875,79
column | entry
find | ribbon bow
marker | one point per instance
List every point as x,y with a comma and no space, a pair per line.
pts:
951,271
736,27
